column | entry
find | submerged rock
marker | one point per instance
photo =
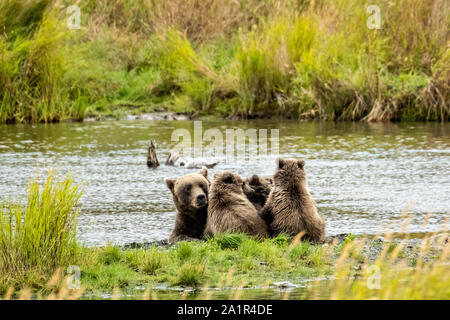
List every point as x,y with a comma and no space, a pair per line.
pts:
339,238
285,285
146,245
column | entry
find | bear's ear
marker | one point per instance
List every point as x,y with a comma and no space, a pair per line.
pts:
225,177
228,178
254,180
170,183
247,188
281,163
301,163
204,172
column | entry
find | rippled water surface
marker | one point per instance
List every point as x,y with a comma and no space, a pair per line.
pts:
361,175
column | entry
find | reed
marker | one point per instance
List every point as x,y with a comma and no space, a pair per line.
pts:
39,236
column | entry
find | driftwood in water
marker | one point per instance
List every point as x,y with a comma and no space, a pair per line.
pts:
152,159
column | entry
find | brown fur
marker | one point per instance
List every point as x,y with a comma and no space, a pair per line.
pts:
290,208
257,190
229,210
190,196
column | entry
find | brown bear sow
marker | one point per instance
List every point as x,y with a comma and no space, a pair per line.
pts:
190,195
229,210
290,208
257,190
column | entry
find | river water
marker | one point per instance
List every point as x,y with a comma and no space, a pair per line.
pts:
362,175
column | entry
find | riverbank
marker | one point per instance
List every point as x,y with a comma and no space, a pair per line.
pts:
41,257
235,265
290,59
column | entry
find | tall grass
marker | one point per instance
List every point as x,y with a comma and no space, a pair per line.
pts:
389,276
297,59
31,69
39,236
324,62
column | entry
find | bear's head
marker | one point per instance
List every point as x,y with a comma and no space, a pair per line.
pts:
228,181
190,192
257,189
290,172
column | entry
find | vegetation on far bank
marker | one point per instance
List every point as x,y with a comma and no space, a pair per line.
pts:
298,59
37,242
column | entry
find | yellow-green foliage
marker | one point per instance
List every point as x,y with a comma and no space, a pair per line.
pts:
324,61
266,61
392,273
39,236
249,58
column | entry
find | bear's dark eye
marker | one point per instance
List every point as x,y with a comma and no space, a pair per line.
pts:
187,188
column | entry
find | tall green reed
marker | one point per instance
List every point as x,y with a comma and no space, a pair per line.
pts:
39,235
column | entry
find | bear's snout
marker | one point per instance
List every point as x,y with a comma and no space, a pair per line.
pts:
200,200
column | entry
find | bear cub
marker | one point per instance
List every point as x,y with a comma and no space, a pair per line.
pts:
190,195
257,190
290,208
229,210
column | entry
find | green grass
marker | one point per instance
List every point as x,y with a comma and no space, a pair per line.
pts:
38,237
295,59
256,263
198,263
189,275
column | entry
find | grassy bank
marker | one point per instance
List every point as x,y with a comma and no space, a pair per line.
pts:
296,59
39,254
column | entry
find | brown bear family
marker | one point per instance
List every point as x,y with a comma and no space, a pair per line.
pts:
258,206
